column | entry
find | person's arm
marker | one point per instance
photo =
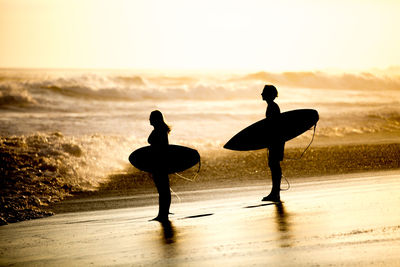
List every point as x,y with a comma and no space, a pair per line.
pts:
150,140
158,138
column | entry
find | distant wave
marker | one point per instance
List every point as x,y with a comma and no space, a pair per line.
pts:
124,91
30,88
14,96
323,80
136,80
86,92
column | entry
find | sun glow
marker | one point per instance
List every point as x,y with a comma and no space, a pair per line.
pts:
179,34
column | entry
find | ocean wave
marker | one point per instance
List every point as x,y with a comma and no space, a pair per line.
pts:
136,80
137,88
82,161
362,81
40,169
382,122
200,91
15,96
26,87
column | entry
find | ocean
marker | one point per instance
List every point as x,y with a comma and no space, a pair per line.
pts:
65,131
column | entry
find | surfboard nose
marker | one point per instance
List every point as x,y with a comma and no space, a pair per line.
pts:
315,116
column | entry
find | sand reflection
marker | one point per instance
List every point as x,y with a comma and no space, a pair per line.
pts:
168,232
283,225
168,246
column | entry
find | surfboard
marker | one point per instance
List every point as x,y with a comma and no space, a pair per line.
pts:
265,132
175,159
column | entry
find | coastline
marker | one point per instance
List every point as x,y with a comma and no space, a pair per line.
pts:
35,197
109,200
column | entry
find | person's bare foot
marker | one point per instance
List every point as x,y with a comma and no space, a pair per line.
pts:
159,219
272,198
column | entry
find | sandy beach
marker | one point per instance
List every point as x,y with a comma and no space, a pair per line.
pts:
348,219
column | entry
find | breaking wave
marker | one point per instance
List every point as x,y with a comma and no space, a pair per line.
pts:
362,81
30,88
15,96
40,169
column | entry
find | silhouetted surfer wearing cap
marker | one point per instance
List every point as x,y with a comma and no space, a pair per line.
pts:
276,149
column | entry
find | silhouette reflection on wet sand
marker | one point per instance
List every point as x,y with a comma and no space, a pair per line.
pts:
168,232
283,224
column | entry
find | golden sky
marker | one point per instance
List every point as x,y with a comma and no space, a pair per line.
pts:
200,34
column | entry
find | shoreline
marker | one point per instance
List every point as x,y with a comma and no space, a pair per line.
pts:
94,201
34,197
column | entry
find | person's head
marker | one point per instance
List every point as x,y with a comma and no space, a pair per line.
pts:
269,93
157,120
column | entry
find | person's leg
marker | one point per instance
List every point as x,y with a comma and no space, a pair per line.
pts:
164,196
276,175
275,156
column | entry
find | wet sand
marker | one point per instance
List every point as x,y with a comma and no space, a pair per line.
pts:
336,220
35,179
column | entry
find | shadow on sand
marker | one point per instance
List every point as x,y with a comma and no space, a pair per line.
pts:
168,232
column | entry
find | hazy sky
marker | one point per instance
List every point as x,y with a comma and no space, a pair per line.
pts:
200,34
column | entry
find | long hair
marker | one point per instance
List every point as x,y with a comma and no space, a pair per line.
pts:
158,118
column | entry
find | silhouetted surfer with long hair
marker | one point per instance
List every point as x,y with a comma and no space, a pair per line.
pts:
276,149
158,141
